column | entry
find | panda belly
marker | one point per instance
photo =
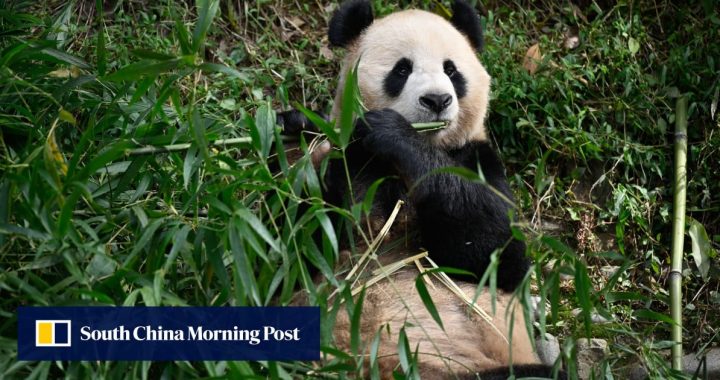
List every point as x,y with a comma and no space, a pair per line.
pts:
469,344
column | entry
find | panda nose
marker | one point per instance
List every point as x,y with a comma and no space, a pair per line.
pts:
436,102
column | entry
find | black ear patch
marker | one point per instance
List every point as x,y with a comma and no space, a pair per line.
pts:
466,20
349,21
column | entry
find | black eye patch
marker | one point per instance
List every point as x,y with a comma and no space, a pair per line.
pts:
456,77
396,78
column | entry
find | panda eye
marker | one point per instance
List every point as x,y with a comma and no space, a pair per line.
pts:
403,68
449,68
402,71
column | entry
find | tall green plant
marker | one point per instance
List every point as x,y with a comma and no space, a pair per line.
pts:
678,237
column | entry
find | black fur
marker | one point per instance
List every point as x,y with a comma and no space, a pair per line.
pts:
294,122
349,21
461,223
466,20
397,77
458,80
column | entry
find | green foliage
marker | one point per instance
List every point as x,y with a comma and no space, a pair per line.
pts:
83,222
589,136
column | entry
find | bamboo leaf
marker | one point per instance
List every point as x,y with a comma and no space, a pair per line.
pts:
242,264
350,107
189,165
198,128
7,58
182,35
282,159
461,172
208,9
258,227
179,242
450,270
370,195
318,260
374,349
138,70
355,325
633,46
107,155
702,250
262,130
218,68
130,174
653,315
557,246
250,238
72,84
157,288
148,296
403,350
101,265
328,229
11,229
324,126
65,57
215,253
427,300
54,159
583,288
147,234
69,207
67,116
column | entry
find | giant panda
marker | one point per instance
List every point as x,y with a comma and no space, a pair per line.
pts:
414,66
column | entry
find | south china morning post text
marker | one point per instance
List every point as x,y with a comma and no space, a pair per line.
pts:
168,333
193,333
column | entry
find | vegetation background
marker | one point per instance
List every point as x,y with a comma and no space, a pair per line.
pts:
582,112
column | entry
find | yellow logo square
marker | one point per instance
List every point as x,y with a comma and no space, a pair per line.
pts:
45,333
52,333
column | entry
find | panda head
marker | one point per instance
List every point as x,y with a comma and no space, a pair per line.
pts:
418,64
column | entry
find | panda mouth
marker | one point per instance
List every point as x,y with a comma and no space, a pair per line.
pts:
418,115
432,118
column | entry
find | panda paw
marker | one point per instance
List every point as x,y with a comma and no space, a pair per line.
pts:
294,122
382,131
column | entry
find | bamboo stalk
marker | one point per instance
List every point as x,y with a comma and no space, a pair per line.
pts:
155,149
678,229
386,271
377,241
427,127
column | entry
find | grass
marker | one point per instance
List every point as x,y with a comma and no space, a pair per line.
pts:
587,138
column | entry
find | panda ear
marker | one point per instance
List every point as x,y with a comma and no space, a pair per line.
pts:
466,20
349,21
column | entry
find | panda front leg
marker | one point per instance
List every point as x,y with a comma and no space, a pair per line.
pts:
461,223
